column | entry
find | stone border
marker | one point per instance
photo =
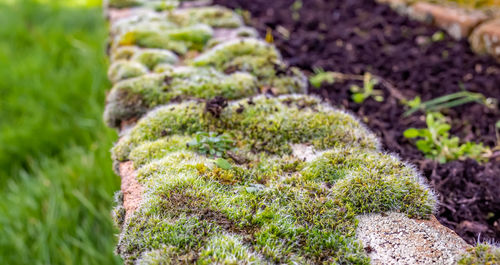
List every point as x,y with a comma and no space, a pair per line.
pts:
480,27
389,238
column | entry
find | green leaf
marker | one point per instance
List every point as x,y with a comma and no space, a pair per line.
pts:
358,98
411,133
497,124
223,163
438,36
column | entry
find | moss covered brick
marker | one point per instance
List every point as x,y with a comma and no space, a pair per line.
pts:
153,4
178,40
254,56
263,123
268,205
178,31
132,98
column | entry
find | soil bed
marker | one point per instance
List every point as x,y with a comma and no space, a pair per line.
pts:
360,36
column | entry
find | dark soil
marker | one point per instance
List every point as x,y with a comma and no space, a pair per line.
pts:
359,36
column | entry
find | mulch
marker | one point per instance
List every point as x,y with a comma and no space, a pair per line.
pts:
359,36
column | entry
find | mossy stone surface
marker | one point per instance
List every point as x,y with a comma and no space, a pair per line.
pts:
152,57
123,69
134,97
263,123
279,213
178,40
214,16
153,4
253,56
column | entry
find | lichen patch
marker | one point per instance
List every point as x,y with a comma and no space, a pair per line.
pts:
393,238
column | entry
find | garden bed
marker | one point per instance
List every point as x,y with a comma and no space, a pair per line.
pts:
413,59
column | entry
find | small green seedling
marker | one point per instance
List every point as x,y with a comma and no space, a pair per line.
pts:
296,7
320,77
368,90
211,144
435,141
447,101
438,36
223,163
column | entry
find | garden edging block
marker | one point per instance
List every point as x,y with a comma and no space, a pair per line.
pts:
479,26
255,174
485,39
458,22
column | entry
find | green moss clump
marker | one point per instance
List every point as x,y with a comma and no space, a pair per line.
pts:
372,182
262,124
178,40
154,4
118,212
228,249
163,67
482,254
214,16
150,151
285,216
121,70
143,21
152,57
123,53
135,97
184,234
256,57
162,256
268,206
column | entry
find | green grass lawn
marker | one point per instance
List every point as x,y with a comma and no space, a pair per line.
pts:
56,179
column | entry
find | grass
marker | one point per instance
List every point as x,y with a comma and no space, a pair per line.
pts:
55,172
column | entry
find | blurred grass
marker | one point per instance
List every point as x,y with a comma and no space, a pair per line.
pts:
56,179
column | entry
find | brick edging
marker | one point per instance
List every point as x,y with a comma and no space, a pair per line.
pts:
133,194
480,27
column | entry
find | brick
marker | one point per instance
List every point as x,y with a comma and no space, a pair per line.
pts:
458,22
486,38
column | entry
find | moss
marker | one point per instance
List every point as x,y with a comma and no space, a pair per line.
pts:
214,16
154,4
228,249
160,68
285,210
150,151
281,209
178,40
256,57
118,212
238,33
262,124
152,57
482,254
124,53
135,97
121,70
372,182
162,256
183,234
143,21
